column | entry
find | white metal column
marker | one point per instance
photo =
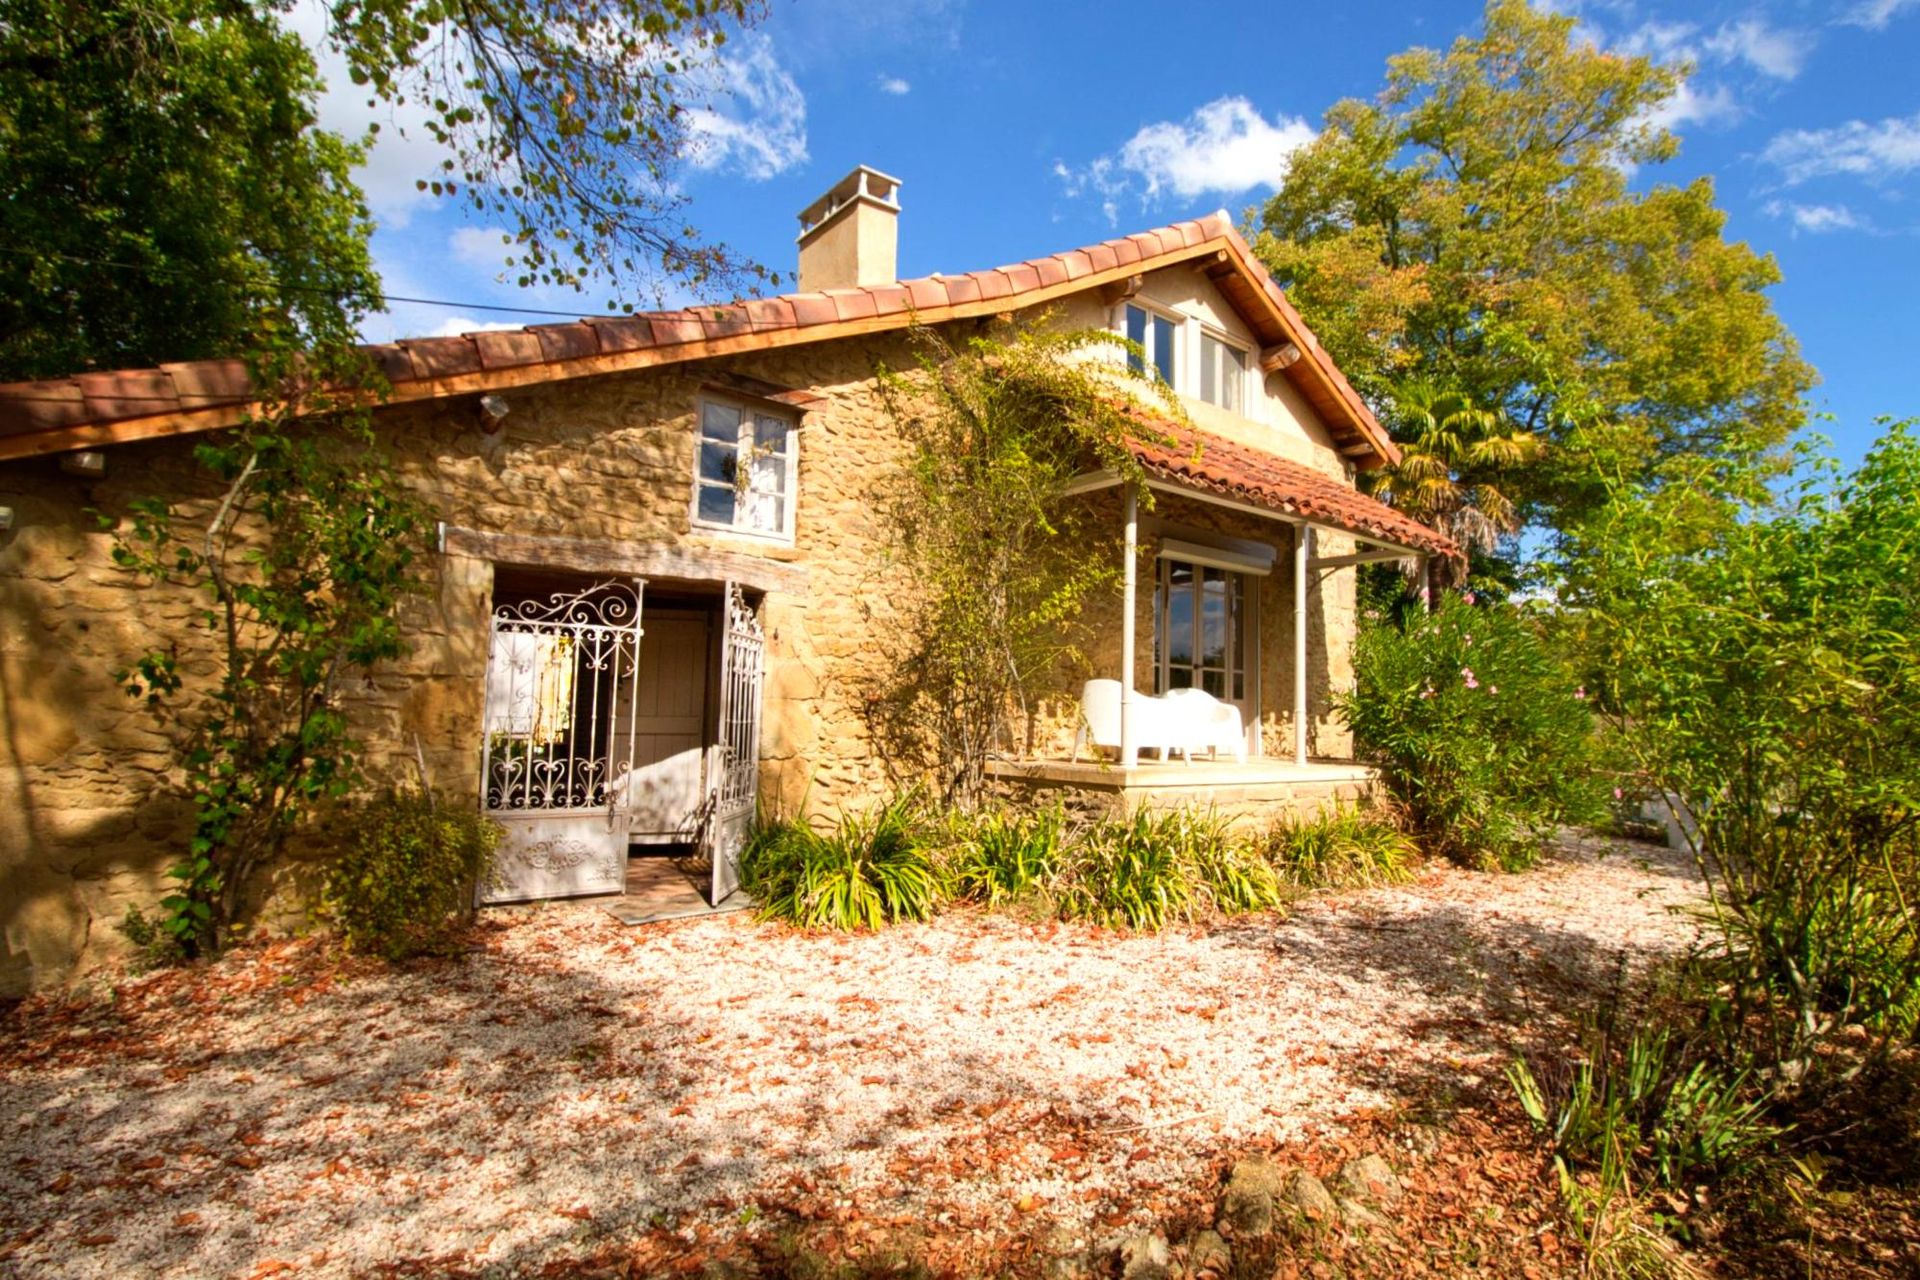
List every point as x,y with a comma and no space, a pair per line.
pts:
1302,549
1129,740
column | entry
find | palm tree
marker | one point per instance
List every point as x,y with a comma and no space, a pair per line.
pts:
1454,460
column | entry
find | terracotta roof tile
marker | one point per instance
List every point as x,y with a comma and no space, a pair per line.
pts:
126,392
1102,257
204,382
1022,276
814,308
567,341
888,299
1125,252
962,290
993,284
1233,470
726,322
671,328
390,358
622,333
1076,264
1052,271
442,357
927,294
41,406
852,304
507,348
771,313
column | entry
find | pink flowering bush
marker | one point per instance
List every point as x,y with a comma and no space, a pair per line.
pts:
1480,732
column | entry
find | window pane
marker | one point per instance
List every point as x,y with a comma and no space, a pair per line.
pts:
770,434
720,422
1239,686
768,475
1213,619
1180,617
1136,332
716,462
1159,626
716,503
761,511
1233,376
1214,682
1180,677
1209,369
1163,347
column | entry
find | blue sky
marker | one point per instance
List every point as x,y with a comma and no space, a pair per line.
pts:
1020,129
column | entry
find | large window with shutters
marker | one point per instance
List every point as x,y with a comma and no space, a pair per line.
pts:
746,471
1203,633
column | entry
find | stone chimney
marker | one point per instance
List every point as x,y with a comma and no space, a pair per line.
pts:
849,236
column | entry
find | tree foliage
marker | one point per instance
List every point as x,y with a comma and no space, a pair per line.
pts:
1004,562
164,194
1477,230
566,118
302,563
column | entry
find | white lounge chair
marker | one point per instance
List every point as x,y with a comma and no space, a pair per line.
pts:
1198,721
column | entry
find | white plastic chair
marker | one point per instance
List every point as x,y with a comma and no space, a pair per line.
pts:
1201,722
1099,725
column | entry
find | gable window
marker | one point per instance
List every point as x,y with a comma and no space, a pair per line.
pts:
746,470
1158,336
1223,373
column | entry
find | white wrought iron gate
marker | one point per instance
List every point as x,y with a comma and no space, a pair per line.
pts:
558,735
736,756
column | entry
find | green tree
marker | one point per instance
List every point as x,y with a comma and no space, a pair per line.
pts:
164,194
1476,229
1454,463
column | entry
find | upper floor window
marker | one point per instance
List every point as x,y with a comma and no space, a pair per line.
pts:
746,471
1223,374
1158,336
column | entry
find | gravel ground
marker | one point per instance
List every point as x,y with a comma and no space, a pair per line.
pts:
573,1081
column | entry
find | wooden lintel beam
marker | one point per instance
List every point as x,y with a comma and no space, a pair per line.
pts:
628,559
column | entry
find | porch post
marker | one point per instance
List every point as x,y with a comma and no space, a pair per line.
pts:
1426,584
1129,743
1302,548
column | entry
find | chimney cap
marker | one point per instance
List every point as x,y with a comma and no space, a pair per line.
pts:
863,185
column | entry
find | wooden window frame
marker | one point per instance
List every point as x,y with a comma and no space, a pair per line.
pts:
750,413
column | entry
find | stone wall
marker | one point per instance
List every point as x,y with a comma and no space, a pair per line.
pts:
89,817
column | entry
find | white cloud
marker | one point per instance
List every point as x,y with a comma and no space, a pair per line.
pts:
1226,146
402,154
1770,51
756,122
1874,15
1714,105
1856,148
454,326
894,85
1817,219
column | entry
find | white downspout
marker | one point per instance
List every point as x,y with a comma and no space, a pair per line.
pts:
1302,548
1129,744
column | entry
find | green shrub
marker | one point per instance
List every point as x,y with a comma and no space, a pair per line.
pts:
1344,847
154,945
408,874
1156,866
1479,732
1004,855
864,872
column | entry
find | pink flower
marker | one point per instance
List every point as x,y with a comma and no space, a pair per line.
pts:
1472,683
1617,793
1466,674
1467,596
1493,688
1580,694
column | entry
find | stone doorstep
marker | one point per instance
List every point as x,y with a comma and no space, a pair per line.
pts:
631,914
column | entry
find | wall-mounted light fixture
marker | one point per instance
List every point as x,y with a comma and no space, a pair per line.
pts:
87,462
6,519
493,414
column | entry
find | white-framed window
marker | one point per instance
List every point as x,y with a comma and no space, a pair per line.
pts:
1223,373
1204,635
1158,335
747,469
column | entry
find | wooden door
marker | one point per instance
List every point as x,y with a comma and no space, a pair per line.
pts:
663,795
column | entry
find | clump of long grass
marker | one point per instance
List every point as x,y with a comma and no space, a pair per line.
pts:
863,872
1340,847
1001,856
1152,867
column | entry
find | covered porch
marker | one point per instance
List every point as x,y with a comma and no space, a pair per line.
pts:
1215,679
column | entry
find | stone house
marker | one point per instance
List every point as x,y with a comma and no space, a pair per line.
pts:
660,574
